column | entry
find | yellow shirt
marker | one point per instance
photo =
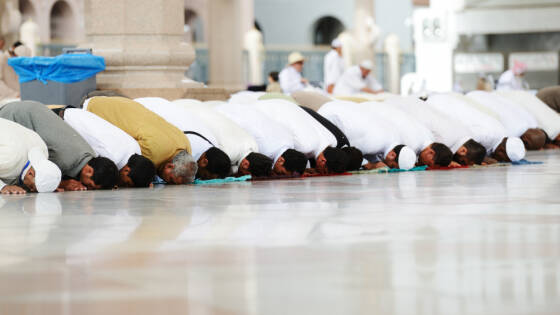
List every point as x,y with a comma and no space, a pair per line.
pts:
159,140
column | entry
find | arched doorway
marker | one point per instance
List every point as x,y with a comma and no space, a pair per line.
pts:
194,29
62,22
326,29
27,10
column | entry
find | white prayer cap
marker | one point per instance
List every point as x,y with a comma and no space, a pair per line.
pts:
294,57
336,43
407,158
366,64
47,174
515,149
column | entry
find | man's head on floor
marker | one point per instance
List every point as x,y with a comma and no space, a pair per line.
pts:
436,155
534,139
511,149
355,158
139,171
331,161
180,170
401,157
256,165
99,173
290,163
212,164
470,153
39,174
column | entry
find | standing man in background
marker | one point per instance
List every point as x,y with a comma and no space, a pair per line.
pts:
333,65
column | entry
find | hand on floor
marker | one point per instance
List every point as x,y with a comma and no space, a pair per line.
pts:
13,190
72,185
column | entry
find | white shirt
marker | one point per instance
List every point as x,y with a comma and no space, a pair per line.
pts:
310,137
484,129
509,81
333,67
231,138
515,119
412,133
290,80
15,143
352,82
106,139
547,119
185,120
272,137
364,130
445,129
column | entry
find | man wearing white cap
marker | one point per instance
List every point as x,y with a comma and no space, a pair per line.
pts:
358,79
290,77
212,162
333,65
483,128
512,79
370,134
24,161
274,140
517,121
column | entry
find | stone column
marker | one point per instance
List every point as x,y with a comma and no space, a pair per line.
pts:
142,42
228,21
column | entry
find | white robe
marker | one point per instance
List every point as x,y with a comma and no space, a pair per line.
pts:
106,139
290,80
333,67
364,130
445,129
310,137
508,81
15,143
515,119
272,137
352,82
412,133
185,120
547,119
483,128
231,138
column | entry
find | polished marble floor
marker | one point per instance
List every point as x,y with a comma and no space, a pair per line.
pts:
469,241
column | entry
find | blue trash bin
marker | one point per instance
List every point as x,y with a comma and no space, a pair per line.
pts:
61,80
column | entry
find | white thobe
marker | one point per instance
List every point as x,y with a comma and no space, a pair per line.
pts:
333,67
352,82
445,129
185,120
231,138
290,80
509,81
484,129
245,97
310,137
15,143
515,119
547,119
106,139
364,130
272,137
412,133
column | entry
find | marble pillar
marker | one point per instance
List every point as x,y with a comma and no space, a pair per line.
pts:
142,42
228,22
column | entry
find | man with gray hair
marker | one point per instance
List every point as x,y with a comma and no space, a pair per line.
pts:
161,142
